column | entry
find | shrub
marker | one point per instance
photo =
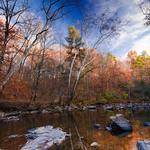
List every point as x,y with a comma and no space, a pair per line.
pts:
111,95
125,95
103,100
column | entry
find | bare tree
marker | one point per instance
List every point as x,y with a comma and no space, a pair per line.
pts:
34,30
99,28
145,8
11,11
46,41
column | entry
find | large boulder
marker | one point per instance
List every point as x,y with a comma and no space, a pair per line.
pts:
119,124
143,145
42,138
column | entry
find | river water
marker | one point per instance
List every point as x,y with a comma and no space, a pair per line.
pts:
12,134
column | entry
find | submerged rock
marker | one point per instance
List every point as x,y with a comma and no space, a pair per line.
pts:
43,138
119,124
143,145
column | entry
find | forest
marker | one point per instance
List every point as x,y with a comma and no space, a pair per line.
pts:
35,65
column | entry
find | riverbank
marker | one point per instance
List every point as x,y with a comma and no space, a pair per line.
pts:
9,106
10,109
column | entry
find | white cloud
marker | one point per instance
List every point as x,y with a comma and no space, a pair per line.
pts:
135,34
139,46
142,44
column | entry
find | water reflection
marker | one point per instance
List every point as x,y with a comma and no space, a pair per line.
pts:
83,121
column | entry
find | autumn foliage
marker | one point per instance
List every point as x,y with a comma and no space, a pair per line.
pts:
34,68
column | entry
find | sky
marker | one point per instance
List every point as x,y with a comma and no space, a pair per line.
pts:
134,35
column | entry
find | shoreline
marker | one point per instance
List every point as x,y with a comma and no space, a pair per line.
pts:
11,109
8,106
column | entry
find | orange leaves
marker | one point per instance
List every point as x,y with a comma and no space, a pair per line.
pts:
132,55
17,88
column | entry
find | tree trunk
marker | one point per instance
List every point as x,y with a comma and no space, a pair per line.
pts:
70,98
1,91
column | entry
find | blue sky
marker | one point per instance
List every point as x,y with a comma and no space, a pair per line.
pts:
133,36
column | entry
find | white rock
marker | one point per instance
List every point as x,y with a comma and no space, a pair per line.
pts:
11,118
2,114
44,111
95,144
44,138
13,136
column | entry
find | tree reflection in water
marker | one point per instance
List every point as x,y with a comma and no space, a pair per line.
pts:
81,121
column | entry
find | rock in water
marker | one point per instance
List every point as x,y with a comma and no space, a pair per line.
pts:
97,126
11,118
108,128
108,107
2,114
146,123
143,145
119,124
91,107
43,138
95,144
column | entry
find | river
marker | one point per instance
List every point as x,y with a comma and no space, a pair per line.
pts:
12,133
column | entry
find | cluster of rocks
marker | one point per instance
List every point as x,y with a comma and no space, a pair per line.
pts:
9,116
133,106
120,125
116,106
13,116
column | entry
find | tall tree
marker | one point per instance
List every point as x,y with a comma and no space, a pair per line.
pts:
79,60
